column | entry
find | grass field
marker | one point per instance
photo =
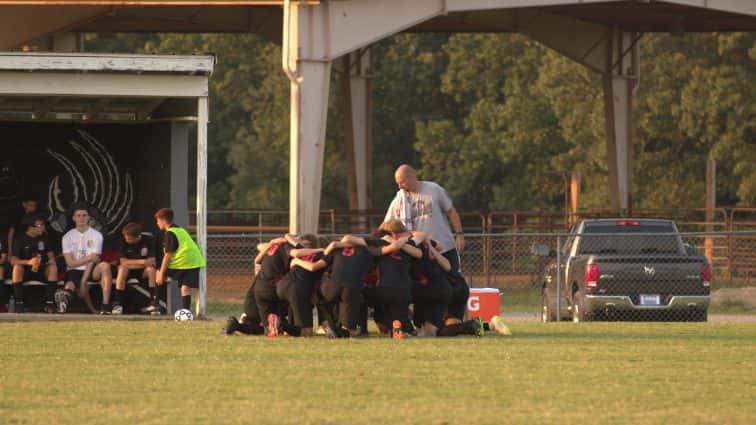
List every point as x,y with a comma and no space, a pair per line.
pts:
119,372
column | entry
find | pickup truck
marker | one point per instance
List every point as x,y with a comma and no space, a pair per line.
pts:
626,269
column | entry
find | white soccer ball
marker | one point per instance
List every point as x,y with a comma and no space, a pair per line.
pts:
183,315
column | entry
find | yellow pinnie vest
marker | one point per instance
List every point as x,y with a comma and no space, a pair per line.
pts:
188,255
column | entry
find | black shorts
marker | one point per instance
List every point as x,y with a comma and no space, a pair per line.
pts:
431,302
458,303
74,276
40,275
299,297
349,300
187,277
137,274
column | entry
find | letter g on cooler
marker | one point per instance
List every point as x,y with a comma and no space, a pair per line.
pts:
473,303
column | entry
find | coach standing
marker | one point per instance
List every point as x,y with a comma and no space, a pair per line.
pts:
425,206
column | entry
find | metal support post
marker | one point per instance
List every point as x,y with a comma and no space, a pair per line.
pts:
558,278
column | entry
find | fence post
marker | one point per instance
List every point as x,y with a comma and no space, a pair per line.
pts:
558,278
514,245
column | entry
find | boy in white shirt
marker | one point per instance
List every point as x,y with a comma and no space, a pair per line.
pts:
82,247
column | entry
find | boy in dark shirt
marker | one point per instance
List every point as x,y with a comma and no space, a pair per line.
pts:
16,226
274,260
431,291
297,287
136,261
350,259
33,259
393,289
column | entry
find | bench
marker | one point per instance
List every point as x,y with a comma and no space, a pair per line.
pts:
171,304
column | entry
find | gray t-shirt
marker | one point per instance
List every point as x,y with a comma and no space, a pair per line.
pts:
424,210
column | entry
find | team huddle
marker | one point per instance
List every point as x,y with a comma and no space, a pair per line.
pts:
387,271
411,259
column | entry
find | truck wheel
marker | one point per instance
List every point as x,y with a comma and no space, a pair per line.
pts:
578,309
547,308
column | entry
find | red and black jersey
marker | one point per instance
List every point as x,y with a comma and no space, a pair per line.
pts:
349,265
426,270
393,268
302,276
275,262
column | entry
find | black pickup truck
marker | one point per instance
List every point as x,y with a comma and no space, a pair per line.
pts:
626,269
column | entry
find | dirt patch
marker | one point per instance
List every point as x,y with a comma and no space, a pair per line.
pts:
745,296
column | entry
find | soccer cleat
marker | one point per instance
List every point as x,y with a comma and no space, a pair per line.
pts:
497,323
396,330
152,309
106,310
117,309
231,326
480,330
328,330
273,324
61,299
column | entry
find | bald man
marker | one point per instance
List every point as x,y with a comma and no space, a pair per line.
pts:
425,206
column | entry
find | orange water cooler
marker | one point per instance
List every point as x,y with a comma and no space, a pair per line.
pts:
483,303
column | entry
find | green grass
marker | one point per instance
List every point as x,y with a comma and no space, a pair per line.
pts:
167,372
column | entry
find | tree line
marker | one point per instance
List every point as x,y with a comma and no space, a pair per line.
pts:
497,119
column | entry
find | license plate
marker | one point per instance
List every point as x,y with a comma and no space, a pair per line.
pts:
646,299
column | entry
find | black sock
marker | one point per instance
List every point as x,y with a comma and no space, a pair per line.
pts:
469,327
4,293
250,328
50,291
450,330
154,296
69,295
118,296
291,329
18,292
186,301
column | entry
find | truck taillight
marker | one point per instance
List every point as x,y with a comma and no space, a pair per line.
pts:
627,223
706,275
591,275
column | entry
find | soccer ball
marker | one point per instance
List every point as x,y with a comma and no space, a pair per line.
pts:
183,315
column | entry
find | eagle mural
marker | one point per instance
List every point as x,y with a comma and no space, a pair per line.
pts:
91,177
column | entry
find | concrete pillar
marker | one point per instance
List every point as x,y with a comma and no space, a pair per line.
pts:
359,95
309,111
616,56
313,36
355,69
619,80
